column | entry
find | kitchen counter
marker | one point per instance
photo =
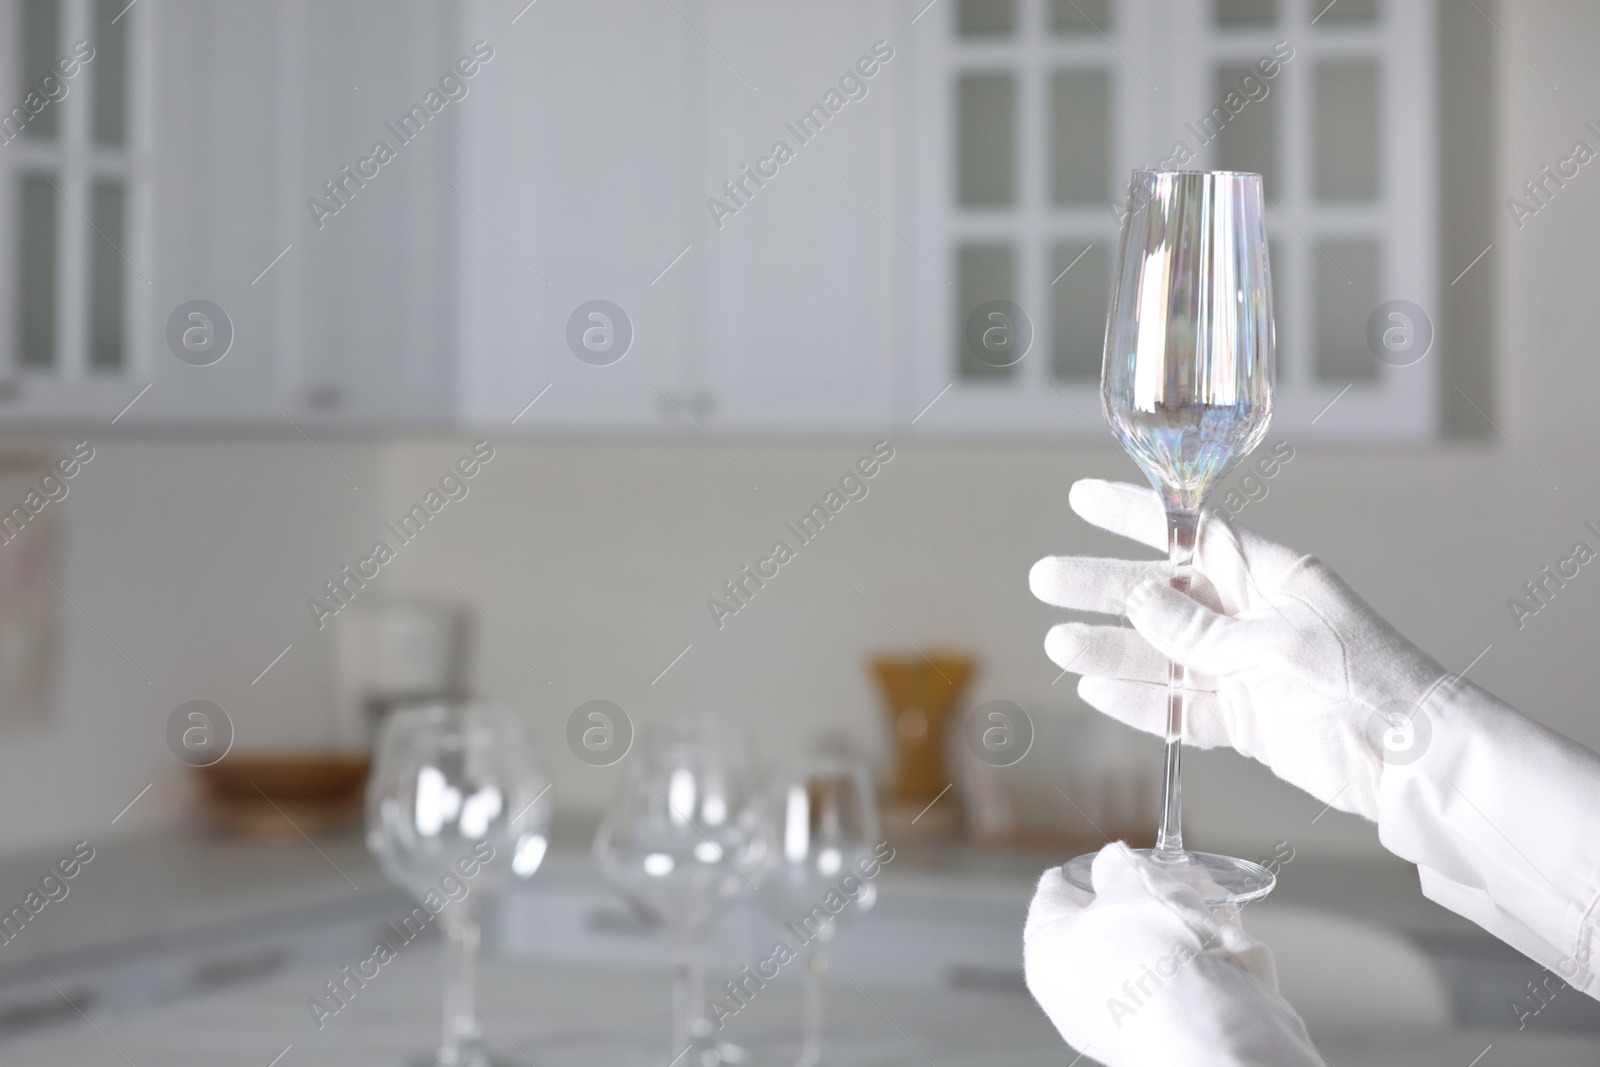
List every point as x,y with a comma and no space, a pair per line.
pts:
155,888
154,927
569,1016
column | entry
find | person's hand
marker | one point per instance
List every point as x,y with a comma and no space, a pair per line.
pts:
1142,973
1287,664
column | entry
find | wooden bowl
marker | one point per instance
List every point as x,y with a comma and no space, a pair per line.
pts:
278,794
294,776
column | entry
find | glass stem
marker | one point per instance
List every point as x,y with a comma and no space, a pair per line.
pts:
811,1031
461,1044
689,1023
1181,529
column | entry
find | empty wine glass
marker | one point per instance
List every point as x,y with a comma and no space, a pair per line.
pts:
684,839
1187,388
824,827
457,805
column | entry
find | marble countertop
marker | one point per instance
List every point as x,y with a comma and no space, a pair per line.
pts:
155,889
158,889
188,893
554,1017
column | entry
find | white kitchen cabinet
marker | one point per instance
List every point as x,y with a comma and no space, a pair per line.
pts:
774,315
628,153
237,115
574,188
1033,112
797,286
826,293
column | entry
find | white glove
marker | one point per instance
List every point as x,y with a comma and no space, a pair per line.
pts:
1287,664
1302,675
1142,973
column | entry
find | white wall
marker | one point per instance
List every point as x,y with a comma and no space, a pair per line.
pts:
596,562
196,557
941,547
193,558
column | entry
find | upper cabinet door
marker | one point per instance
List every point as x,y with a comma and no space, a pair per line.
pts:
686,217
571,204
796,205
76,157
205,225
372,107
1030,115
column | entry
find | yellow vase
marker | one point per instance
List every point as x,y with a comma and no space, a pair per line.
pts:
922,695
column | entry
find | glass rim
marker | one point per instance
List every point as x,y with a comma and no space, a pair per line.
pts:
1202,173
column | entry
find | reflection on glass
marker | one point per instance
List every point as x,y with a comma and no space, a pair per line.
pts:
457,806
108,210
1247,141
1348,12
110,71
1245,12
824,826
1347,130
984,272
1282,287
986,18
41,47
1080,136
1078,300
1347,291
36,272
986,109
1080,16
1189,349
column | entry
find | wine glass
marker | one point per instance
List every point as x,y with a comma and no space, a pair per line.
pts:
824,826
457,806
684,839
1187,388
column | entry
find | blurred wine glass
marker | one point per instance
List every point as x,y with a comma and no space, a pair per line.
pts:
824,826
457,806
685,838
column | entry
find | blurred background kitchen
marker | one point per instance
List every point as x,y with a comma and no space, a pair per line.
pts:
581,265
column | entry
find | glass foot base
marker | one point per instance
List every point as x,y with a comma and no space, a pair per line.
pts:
708,1052
1219,879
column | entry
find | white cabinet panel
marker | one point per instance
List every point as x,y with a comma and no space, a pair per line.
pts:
629,152
798,282
572,190
239,113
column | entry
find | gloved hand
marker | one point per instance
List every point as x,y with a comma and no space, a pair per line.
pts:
1143,973
1287,664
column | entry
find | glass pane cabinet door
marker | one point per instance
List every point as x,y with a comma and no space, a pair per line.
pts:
1346,122
65,176
1080,137
1040,108
1080,292
986,152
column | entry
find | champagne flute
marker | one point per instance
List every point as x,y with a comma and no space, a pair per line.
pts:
1187,388
457,805
824,827
685,838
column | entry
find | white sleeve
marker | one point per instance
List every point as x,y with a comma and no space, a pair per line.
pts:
1498,814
